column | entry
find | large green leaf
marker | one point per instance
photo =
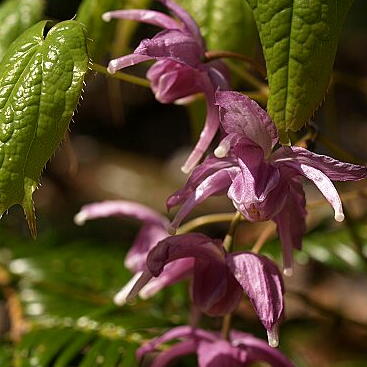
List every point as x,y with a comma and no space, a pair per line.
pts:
15,17
299,39
41,79
225,24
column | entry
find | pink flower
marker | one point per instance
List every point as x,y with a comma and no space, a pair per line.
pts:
263,184
213,351
219,279
153,230
180,70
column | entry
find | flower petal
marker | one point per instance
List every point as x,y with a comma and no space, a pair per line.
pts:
326,187
187,20
259,191
121,296
175,333
334,169
241,115
120,208
148,236
215,291
172,273
199,174
217,182
194,245
180,349
145,16
171,80
258,350
261,280
173,45
125,61
211,276
229,300
220,354
291,224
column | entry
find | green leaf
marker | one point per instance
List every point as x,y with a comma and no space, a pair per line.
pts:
41,79
15,17
299,40
225,24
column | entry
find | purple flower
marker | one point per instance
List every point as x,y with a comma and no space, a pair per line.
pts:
263,184
213,351
180,70
219,279
153,230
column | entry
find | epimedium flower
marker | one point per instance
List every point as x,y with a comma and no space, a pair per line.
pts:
153,230
240,350
180,70
219,278
263,183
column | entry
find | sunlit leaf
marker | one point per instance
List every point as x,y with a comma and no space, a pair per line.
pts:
299,40
41,79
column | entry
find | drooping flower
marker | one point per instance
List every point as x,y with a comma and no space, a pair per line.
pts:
180,70
219,279
153,230
212,350
263,184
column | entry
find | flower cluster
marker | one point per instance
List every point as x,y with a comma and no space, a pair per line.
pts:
263,180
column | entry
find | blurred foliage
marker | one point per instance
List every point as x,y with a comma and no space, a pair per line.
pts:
217,20
100,33
66,291
334,248
15,17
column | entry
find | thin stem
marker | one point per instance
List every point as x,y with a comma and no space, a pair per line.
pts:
250,79
228,245
257,96
121,76
204,220
264,236
213,55
226,326
228,239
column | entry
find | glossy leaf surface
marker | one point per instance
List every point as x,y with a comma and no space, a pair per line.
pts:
299,40
41,79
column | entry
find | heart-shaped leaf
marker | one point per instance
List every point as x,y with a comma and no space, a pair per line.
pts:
41,79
